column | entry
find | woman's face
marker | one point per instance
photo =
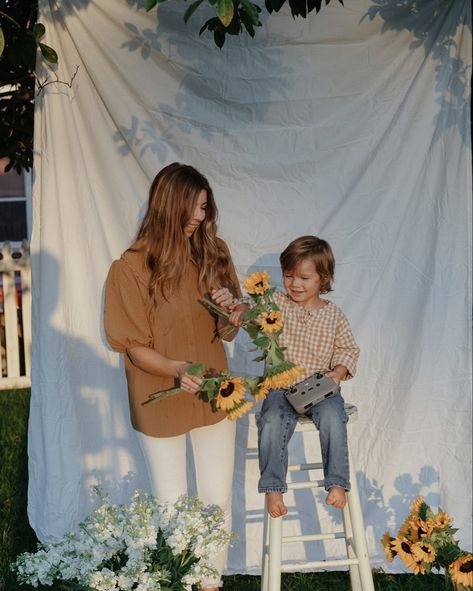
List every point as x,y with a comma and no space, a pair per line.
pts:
198,215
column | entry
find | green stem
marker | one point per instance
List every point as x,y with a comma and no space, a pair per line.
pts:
209,304
162,394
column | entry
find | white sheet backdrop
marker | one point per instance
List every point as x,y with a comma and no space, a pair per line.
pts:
353,125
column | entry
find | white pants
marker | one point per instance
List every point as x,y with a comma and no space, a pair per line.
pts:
213,448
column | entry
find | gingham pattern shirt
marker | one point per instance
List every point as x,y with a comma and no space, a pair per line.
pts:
317,340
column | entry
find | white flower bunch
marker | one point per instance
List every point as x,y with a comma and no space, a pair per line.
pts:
144,546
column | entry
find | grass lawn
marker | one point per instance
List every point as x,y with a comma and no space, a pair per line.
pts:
16,535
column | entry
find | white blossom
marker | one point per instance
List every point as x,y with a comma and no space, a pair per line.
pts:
113,548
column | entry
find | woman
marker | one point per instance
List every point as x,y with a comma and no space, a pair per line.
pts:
153,316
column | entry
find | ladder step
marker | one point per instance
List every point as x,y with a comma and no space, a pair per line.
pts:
303,467
313,537
308,484
322,564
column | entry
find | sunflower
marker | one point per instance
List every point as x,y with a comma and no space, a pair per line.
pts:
239,410
416,507
461,570
270,322
284,378
386,542
231,392
262,391
402,547
419,529
441,520
257,283
423,551
404,530
418,566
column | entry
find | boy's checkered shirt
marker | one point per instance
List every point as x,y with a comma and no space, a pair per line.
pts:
317,340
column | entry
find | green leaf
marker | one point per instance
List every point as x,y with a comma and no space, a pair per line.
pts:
251,314
234,28
423,511
48,53
219,38
192,8
279,354
448,553
261,342
195,369
150,4
38,31
2,41
252,11
208,25
245,19
252,331
225,14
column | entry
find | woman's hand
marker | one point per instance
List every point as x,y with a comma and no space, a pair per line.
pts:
188,382
223,297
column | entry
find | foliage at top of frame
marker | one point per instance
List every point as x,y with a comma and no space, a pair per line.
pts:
234,16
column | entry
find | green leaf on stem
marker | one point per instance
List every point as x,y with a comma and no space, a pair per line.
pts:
259,358
2,41
262,342
252,330
252,11
225,13
195,369
38,31
48,53
252,314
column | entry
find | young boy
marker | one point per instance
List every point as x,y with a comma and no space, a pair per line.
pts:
316,336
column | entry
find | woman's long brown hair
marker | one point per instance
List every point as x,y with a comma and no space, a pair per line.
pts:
173,197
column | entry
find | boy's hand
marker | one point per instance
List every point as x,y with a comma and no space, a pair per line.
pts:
338,373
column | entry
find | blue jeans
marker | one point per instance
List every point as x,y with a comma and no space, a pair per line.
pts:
276,425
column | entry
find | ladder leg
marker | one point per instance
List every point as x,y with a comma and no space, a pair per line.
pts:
275,546
265,552
359,539
354,569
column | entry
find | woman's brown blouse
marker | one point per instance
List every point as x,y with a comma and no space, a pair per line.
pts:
180,329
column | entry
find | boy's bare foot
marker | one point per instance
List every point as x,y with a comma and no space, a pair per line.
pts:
275,504
337,497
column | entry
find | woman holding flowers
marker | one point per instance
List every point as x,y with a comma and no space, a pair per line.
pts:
154,318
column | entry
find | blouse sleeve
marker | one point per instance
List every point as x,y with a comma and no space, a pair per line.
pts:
345,350
125,319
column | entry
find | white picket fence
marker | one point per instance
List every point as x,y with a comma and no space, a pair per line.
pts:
15,316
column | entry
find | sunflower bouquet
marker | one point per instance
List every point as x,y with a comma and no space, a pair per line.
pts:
223,389
263,323
426,540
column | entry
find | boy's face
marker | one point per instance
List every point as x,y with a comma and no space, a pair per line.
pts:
302,284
